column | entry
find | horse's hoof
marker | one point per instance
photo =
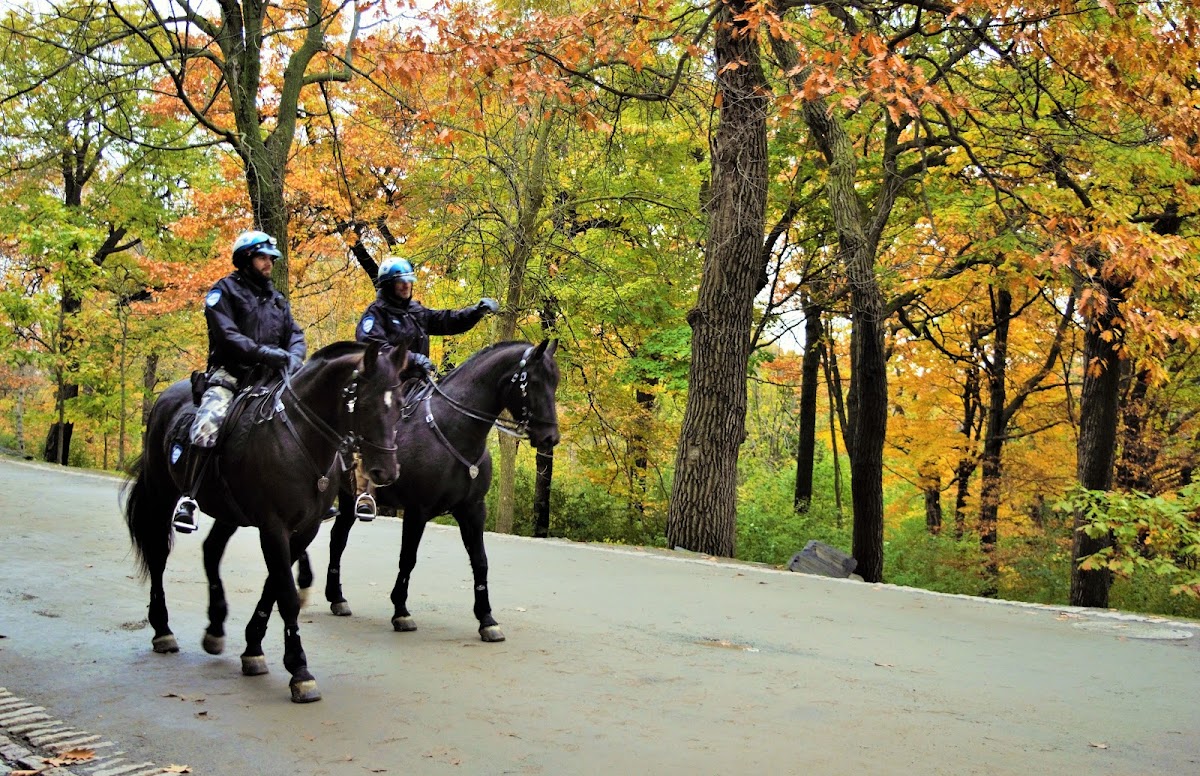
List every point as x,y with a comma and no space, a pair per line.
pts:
404,624
305,691
254,665
491,633
213,645
164,645
340,608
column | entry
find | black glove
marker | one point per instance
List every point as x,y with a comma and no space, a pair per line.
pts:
488,305
294,363
276,358
420,361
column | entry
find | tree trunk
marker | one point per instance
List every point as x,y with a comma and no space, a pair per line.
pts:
506,495
833,387
529,204
541,498
993,440
810,375
702,515
1098,416
931,487
967,459
867,403
271,216
149,390
1138,451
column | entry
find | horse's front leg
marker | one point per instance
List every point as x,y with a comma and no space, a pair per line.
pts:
218,609
280,586
338,535
410,540
470,519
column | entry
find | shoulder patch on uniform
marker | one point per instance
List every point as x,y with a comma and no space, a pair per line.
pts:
368,323
213,297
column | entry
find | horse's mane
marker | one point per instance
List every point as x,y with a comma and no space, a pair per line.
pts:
477,355
336,350
496,346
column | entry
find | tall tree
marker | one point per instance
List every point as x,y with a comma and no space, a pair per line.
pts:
241,74
82,130
703,512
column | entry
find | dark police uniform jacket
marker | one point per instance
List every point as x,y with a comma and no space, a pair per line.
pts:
243,314
393,322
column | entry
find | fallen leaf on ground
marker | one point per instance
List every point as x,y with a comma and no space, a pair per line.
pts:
177,769
72,756
886,665
1099,746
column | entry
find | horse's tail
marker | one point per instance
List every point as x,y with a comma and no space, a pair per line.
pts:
147,518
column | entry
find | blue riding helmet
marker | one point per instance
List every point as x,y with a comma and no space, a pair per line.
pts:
250,243
392,269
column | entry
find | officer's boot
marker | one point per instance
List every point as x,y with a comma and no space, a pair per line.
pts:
364,505
185,509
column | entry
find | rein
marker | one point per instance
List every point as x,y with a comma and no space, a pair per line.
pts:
517,429
344,444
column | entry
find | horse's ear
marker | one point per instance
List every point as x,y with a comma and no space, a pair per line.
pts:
370,358
399,357
553,346
538,351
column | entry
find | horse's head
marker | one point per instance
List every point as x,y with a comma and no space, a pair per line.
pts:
377,410
529,394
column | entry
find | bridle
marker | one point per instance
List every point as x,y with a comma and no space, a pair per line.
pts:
518,428
346,445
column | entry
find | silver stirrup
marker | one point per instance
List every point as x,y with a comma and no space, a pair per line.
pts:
185,526
364,507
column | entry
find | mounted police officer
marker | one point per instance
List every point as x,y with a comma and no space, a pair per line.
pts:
250,325
395,318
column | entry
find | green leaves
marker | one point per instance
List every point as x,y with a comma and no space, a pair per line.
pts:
1159,535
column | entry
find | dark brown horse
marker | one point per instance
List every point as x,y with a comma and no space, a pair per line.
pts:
278,463
445,466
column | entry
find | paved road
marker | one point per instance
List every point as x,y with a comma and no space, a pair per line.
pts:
617,660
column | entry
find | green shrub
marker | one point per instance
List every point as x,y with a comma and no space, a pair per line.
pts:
768,528
915,558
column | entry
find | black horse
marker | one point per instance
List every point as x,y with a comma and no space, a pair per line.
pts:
280,450
446,467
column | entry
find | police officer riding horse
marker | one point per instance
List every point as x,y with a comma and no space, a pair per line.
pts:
395,319
250,327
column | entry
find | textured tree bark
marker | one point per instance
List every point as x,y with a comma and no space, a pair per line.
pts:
967,459
149,389
702,515
810,375
931,487
1096,446
532,196
541,496
867,403
993,440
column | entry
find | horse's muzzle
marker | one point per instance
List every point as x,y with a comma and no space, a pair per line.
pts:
380,479
544,437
